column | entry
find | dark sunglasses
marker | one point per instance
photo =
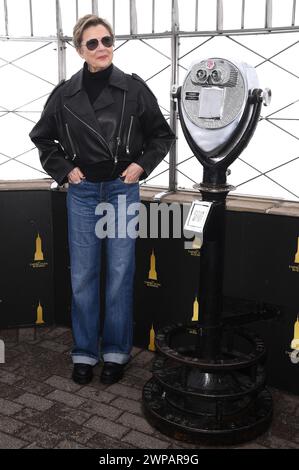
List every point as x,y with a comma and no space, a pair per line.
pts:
92,44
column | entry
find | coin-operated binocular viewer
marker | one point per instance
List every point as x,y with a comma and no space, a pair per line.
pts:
208,381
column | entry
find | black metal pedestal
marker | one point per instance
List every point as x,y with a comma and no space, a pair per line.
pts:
209,383
217,402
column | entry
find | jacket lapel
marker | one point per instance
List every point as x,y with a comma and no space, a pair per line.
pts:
117,79
77,100
103,100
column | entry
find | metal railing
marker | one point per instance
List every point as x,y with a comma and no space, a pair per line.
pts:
175,33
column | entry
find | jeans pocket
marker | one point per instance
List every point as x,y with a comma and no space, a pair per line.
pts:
77,184
128,184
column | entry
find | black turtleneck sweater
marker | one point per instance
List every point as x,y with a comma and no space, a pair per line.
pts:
94,83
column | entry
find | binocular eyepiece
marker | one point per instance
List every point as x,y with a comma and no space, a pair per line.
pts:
219,107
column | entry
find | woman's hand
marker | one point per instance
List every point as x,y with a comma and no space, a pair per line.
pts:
132,173
75,176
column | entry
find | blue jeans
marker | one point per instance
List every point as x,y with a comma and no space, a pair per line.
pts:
86,227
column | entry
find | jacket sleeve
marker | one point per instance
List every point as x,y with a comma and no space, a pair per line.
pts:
157,133
45,137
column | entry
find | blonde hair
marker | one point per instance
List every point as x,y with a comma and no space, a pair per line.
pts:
84,23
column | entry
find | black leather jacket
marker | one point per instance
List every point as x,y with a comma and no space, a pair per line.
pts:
124,124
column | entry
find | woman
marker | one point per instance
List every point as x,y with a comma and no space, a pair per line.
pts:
101,131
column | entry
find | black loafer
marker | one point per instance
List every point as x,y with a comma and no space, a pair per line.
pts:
112,372
82,373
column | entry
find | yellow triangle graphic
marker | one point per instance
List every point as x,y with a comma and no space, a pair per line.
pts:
152,272
295,342
151,345
38,255
297,254
39,314
195,310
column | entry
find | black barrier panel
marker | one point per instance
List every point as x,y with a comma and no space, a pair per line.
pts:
261,264
167,276
26,254
260,257
62,286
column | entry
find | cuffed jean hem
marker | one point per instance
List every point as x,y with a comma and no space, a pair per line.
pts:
116,357
78,359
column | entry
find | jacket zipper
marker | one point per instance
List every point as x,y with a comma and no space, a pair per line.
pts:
71,141
129,135
118,138
89,127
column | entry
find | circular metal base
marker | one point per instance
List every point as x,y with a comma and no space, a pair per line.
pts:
228,359
195,383
211,188
242,426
